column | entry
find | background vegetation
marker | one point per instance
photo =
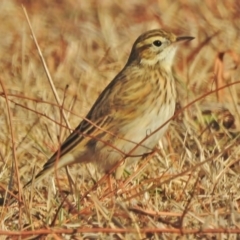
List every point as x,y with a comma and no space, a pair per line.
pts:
188,189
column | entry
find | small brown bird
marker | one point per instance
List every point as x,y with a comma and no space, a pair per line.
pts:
137,101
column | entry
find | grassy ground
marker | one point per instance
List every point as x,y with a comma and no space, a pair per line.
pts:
190,188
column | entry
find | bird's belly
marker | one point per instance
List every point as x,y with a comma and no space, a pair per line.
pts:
145,127
133,133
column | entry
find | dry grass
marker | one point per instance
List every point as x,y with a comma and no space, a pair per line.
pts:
190,188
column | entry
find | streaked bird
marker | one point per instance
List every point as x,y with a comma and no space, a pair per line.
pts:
136,102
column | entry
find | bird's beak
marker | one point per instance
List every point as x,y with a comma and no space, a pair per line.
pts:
184,38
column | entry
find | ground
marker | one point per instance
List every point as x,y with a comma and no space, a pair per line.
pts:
188,189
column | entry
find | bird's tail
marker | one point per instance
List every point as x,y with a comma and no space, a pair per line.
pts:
52,165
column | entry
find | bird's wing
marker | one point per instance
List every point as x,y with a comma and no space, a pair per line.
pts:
118,101
94,124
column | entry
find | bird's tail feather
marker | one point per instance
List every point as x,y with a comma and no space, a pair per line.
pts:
52,166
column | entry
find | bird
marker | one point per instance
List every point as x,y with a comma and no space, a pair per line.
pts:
137,102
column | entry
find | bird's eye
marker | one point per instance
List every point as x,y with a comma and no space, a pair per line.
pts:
157,43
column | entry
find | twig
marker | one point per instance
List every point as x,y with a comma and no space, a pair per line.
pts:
14,151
